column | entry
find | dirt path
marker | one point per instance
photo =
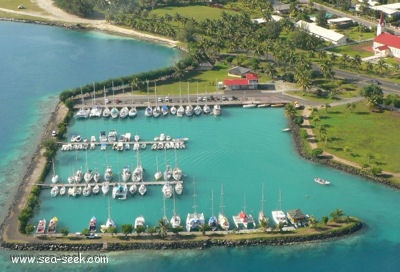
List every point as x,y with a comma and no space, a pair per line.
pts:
53,13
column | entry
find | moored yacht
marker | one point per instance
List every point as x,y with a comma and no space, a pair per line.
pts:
120,191
133,189
179,187
194,220
108,174
142,189
52,225
173,110
167,190
54,191
41,227
206,109
132,112
223,221
110,222
217,109
114,113
105,187
139,222
93,225
126,174
124,112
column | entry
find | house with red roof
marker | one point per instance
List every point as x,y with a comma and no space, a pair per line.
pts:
386,44
249,82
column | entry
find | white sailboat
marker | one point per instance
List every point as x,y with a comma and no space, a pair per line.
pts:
54,178
223,221
198,110
194,220
108,174
262,219
157,109
167,190
142,189
173,110
54,191
63,190
83,112
217,109
139,222
243,219
106,111
114,111
124,112
175,219
137,174
212,221
133,189
96,175
132,111
96,110
96,189
181,110
279,216
88,176
86,190
179,187
176,172
189,107
105,187
110,222
126,174
158,175
148,112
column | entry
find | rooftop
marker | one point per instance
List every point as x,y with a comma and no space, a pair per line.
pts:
388,39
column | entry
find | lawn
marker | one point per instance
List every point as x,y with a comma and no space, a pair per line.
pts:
363,136
204,81
13,5
363,49
199,13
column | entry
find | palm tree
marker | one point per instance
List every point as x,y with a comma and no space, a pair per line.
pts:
323,134
345,59
336,215
357,61
162,228
290,110
381,66
303,76
326,69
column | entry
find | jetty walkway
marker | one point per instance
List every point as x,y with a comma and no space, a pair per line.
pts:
68,185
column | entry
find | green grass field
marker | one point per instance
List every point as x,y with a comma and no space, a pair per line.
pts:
363,136
13,5
197,12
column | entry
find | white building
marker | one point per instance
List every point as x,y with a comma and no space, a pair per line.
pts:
323,33
390,10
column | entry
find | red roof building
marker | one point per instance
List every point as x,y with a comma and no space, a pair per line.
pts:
387,44
248,83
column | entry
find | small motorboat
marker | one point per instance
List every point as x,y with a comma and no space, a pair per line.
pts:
321,181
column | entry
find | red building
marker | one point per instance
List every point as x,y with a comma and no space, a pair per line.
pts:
250,82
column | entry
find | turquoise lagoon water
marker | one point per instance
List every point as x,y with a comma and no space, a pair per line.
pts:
240,150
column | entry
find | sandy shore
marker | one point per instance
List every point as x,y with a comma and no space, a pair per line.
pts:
55,14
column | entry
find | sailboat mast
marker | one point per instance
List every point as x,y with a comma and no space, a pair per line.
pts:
221,207
262,198
194,196
212,203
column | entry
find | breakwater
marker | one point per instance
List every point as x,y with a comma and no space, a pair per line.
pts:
181,242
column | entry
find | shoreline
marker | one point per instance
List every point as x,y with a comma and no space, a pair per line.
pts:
11,238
